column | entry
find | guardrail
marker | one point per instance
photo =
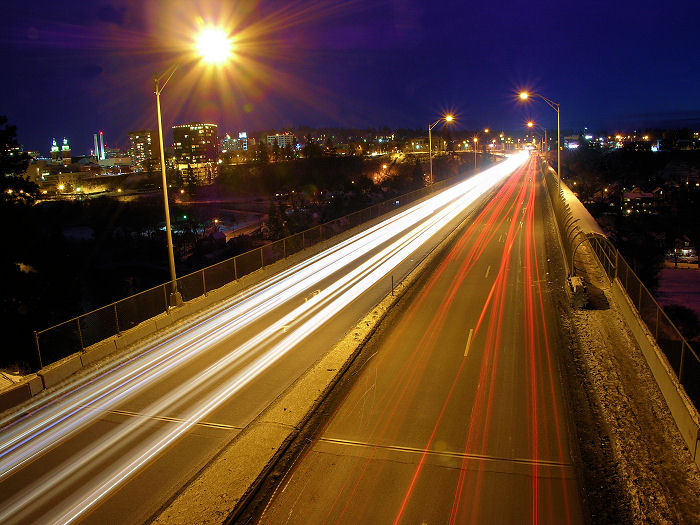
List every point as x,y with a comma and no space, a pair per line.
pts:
78,333
681,356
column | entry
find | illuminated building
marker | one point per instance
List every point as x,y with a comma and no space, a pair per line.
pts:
282,140
65,152
244,141
61,154
144,149
55,151
195,147
195,143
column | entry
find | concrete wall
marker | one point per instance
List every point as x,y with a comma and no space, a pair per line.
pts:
682,409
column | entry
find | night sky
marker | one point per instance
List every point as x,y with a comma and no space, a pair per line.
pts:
73,67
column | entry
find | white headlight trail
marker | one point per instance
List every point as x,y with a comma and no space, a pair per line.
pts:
35,434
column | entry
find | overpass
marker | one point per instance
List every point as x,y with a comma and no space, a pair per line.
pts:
208,403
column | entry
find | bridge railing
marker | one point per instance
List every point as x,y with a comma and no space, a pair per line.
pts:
678,351
681,356
77,334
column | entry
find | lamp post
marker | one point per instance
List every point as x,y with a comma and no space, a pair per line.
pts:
476,141
175,296
531,124
213,47
555,106
446,118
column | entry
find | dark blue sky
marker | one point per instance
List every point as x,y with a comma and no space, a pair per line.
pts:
75,67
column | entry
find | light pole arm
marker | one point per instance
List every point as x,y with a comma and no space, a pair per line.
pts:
550,103
431,126
157,78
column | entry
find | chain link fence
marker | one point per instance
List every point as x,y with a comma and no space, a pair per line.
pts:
680,354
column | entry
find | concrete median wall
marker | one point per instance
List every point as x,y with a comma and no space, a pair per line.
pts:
54,373
21,392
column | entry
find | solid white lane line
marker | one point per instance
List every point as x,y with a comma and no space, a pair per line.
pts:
469,341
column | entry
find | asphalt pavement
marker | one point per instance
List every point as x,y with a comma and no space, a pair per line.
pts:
459,416
114,446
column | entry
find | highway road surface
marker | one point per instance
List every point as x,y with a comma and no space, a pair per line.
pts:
458,415
116,443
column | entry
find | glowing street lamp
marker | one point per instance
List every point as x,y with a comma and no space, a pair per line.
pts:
524,95
531,124
213,46
447,119
476,141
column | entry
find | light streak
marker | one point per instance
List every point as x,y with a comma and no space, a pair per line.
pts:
68,412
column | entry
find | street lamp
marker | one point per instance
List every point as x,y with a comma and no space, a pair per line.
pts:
476,141
531,124
447,119
213,46
524,95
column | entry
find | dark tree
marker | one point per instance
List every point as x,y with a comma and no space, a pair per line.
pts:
262,154
311,149
685,319
276,221
330,147
12,161
288,152
417,174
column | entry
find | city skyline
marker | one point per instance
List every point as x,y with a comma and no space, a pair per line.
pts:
362,64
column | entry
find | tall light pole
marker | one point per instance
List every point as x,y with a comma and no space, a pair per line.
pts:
555,106
446,118
175,296
213,47
476,141
531,124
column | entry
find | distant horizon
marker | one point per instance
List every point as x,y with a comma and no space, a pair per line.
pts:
76,68
664,122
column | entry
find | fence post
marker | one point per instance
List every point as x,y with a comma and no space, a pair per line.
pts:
639,305
235,269
38,352
116,318
656,335
80,333
680,367
165,297
262,261
204,283
284,247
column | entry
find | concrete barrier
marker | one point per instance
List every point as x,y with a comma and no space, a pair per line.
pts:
682,409
56,372
14,395
98,351
130,336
